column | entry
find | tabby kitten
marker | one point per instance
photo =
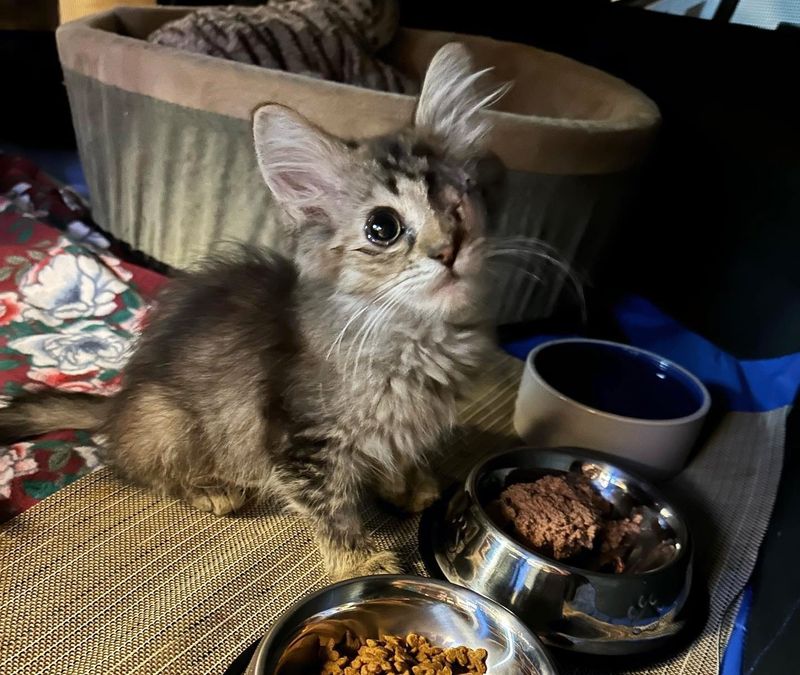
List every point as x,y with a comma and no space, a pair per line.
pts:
308,381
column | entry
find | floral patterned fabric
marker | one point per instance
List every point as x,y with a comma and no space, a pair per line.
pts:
70,314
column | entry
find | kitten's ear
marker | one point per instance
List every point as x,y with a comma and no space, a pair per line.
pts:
301,164
452,101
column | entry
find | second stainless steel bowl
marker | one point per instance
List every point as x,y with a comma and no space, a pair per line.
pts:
567,606
446,614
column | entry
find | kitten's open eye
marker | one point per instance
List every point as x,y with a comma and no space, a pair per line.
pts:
383,226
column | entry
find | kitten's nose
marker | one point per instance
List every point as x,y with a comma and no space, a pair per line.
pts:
444,253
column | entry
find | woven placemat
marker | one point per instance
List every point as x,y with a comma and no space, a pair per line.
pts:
106,578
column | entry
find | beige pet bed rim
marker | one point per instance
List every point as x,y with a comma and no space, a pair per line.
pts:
611,128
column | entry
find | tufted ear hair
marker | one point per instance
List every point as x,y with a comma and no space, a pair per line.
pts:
453,99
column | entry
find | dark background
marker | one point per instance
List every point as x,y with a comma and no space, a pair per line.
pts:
713,236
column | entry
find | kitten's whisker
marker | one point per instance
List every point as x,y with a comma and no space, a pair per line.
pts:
365,327
392,311
523,247
338,341
374,322
513,264
384,298
527,254
392,307
372,330
529,242
564,269
567,273
530,247
522,261
385,315
534,252
382,291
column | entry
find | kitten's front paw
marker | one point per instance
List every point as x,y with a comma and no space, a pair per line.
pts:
362,564
382,562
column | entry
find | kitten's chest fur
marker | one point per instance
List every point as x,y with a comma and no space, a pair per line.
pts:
391,396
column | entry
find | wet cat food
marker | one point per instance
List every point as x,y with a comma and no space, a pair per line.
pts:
411,655
564,517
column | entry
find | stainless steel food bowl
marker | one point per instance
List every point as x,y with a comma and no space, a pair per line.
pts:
378,605
569,607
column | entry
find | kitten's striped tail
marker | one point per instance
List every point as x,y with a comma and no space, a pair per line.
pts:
38,413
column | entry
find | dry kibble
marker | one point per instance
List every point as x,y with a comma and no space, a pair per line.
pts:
412,655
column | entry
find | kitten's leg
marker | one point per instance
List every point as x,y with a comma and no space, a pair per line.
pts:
415,489
152,443
347,551
329,496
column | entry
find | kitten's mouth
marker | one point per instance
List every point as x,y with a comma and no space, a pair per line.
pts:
448,279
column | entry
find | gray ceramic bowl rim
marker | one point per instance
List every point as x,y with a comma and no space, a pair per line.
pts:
587,455
701,412
264,647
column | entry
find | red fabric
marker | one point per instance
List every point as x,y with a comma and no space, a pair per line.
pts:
69,317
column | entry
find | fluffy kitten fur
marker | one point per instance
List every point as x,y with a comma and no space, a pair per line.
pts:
308,381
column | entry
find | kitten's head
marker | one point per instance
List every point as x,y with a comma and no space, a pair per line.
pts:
398,219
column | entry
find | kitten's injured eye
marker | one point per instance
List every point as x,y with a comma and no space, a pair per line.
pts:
383,227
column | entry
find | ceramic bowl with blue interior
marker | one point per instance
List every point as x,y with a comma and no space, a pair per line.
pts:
621,400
